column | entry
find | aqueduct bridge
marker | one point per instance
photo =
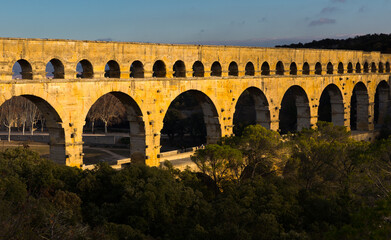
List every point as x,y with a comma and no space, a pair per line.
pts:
289,87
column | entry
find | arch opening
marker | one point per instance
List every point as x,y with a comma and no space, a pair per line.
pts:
136,69
198,69
358,68
112,69
331,108
295,110
251,108
159,69
54,69
293,69
388,69
118,120
249,70
84,69
373,67
318,68
22,70
381,67
31,113
216,70
265,69
330,68
340,68
382,104
280,68
306,69
179,69
233,69
366,67
350,67
191,120
359,104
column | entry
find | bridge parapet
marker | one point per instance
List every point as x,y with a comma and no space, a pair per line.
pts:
349,88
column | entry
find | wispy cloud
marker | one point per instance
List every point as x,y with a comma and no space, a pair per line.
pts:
322,21
237,23
339,1
264,19
363,9
329,10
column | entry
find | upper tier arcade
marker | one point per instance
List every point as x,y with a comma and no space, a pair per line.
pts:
290,89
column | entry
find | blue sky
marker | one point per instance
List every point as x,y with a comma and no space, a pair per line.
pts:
240,22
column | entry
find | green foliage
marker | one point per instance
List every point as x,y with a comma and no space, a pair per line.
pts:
263,150
219,162
369,42
34,201
328,187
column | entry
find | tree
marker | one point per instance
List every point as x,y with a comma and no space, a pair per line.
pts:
219,162
328,158
33,115
108,109
263,150
93,116
22,105
9,115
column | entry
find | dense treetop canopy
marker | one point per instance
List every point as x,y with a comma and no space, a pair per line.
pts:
317,184
369,42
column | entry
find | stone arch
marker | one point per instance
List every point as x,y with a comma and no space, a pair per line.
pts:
22,70
216,70
204,106
366,67
388,69
265,69
331,108
54,69
330,68
198,69
340,68
233,69
251,108
280,68
54,124
112,69
159,69
358,68
136,69
382,103
136,125
359,105
381,67
84,69
293,69
306,69
179,69
350,67
318,68
373,67
249,70
295,110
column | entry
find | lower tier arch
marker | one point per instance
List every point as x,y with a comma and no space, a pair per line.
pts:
295,110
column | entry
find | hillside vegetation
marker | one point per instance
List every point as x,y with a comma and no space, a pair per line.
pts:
318,184
369,42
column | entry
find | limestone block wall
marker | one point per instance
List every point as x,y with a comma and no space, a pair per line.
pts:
146,78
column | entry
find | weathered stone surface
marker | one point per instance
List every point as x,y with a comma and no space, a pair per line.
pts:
66,102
